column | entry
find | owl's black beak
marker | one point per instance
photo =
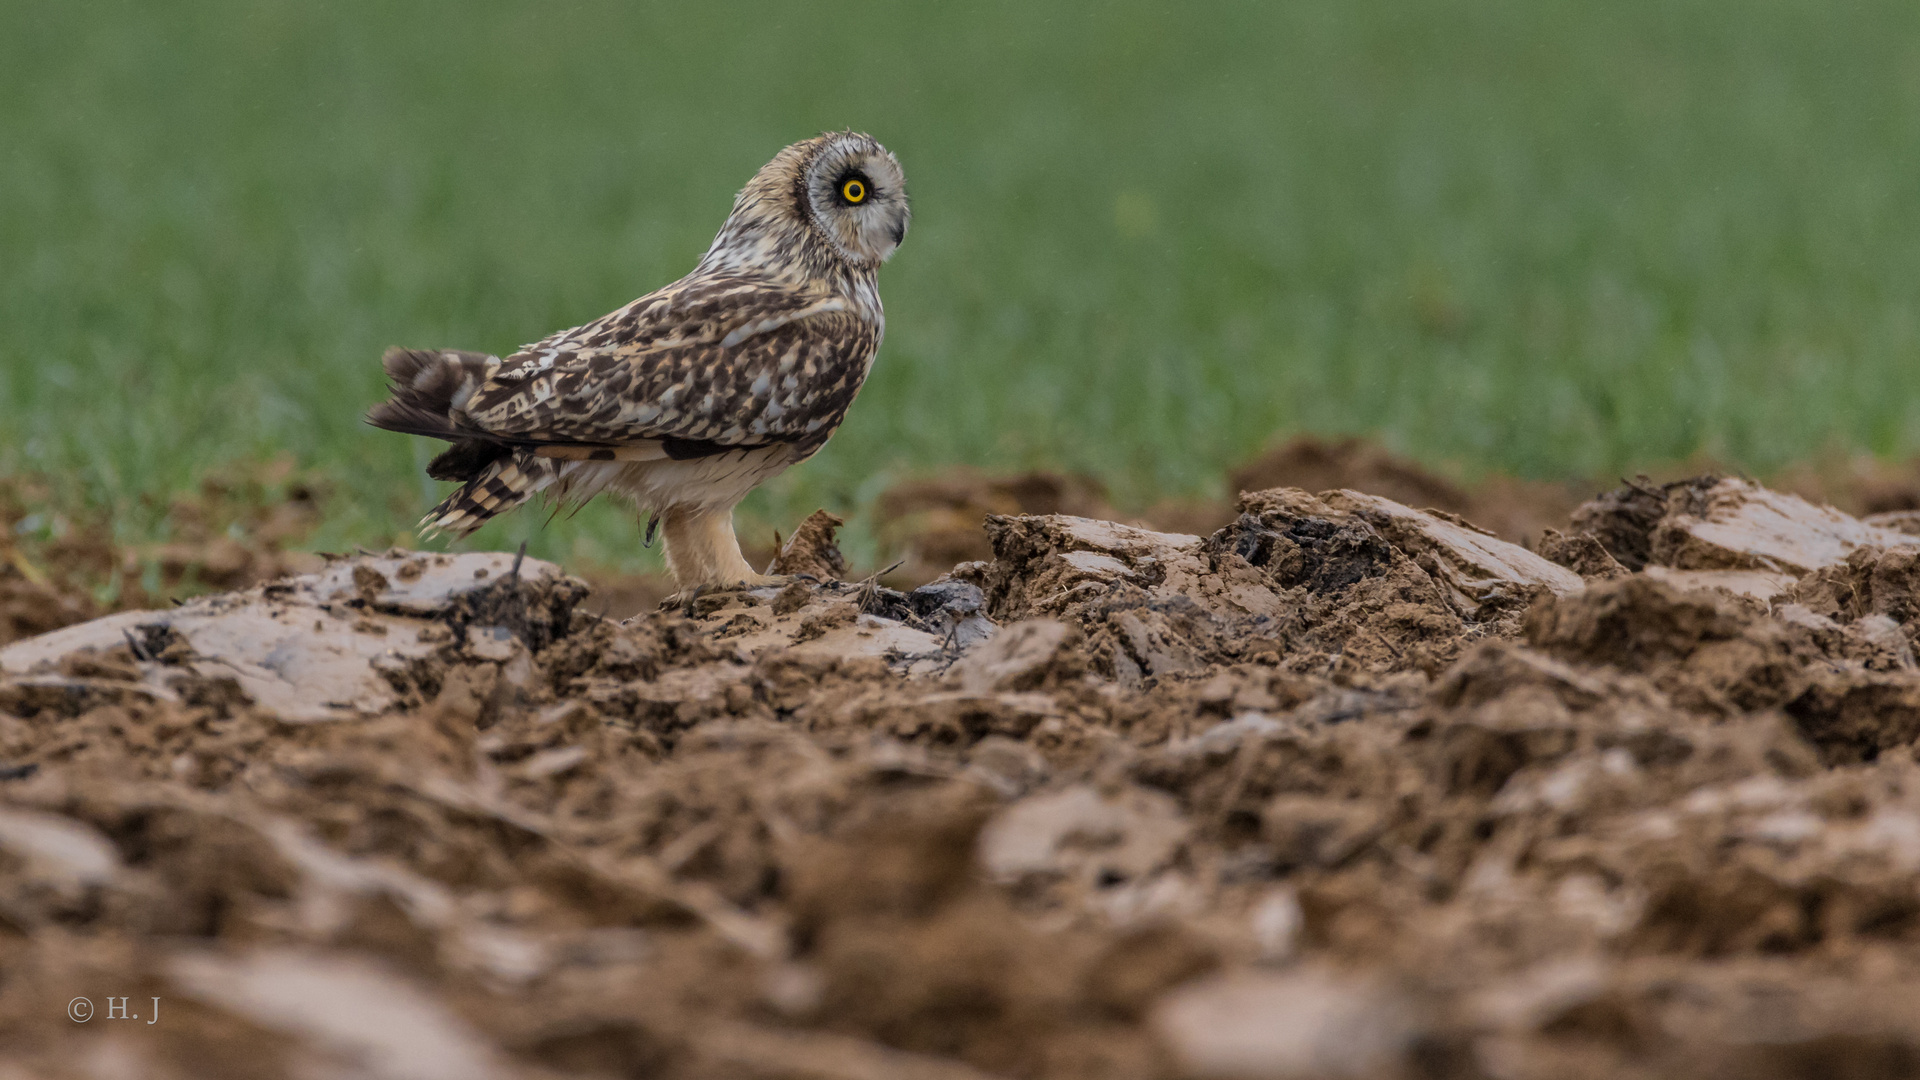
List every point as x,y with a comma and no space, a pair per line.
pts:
899,232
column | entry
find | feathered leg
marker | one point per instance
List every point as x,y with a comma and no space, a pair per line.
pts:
702,550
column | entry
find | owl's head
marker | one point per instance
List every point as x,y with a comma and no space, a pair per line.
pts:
857,197
838,198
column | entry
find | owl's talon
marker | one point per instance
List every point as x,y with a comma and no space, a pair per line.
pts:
686,598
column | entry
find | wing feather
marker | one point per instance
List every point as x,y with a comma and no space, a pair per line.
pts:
734,364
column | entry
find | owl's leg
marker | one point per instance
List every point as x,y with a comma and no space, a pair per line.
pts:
702,550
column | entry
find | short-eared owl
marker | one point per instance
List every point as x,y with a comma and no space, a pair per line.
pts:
689,397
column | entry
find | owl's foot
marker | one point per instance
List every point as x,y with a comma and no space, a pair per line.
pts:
686,598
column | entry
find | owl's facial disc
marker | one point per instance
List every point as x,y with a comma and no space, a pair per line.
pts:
859,199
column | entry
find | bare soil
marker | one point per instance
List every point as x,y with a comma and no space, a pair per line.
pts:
1329,787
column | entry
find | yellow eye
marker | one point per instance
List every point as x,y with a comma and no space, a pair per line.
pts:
853,191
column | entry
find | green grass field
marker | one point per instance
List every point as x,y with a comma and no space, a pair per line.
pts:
1539,236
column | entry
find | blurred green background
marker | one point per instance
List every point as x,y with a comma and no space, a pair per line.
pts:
1539,236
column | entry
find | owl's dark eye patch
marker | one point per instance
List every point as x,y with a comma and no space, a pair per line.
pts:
853,188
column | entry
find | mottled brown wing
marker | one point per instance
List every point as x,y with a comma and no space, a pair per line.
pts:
732,366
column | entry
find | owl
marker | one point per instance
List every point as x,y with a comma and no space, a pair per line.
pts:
685,399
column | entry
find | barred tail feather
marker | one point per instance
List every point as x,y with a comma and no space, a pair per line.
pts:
427,385
503,485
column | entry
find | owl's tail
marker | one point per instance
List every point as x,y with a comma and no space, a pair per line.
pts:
427,386
498,488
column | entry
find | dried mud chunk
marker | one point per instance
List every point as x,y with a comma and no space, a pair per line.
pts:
962,717
1623,519
1880,644
1307,584
790,680
967,981
677,699
1156,639
537,610
1871,581
1856,718
1874,642
293,646
1834,1053
1476,568
1633,623
1011,766
1582,553
1053,565
953,609
820,623
1226,775
94,664
1738,525
635,651
158,642
796,595
1155,604
1759,585
1712,523
1497,668
369,583
1710,652
811,550
37,696
1326,547
1023,656
221,695
1379,631
1248,689
1301,542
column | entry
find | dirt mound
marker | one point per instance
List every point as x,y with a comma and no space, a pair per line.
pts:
934,522
1339,789
1515,510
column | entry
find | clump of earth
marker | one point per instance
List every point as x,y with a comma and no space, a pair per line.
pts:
1340,784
